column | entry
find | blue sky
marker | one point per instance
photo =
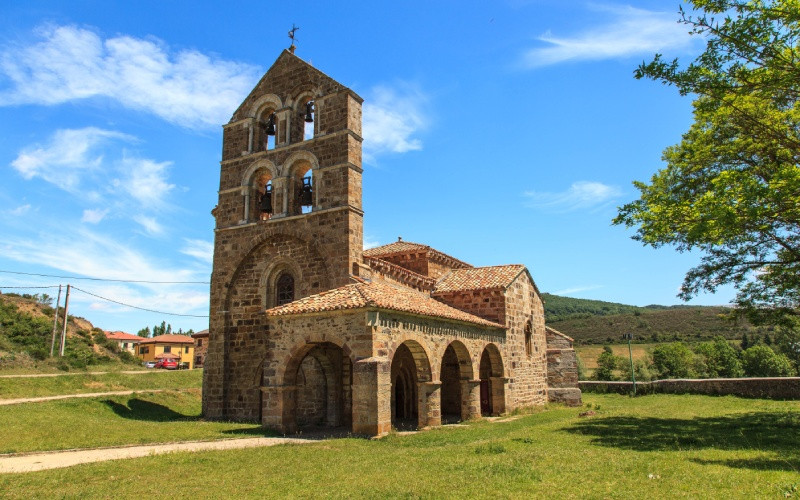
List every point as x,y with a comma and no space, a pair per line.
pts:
498,132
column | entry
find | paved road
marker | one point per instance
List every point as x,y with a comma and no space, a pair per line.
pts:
58,459
16,401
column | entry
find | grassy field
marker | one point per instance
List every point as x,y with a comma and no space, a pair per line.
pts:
112,421
660,446
32,387
588,353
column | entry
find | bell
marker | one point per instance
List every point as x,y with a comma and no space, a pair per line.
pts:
305,194
309,110
271,125
266,200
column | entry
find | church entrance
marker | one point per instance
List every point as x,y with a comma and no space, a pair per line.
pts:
409,367
492,382
323,388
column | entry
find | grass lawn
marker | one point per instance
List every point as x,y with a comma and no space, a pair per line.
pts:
659,446
112,421
32,387
51,366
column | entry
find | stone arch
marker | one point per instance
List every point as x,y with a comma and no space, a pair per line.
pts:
254,183
264,103
267,234
409,370
299,96
296,166
455,374
492,377
260,112
317,383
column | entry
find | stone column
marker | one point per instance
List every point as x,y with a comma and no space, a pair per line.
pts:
372,389
278,408
429,408
497,391
470,399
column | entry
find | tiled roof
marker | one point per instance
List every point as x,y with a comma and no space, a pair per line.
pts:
123,336
171,339
401,247
479,278
201,333
379,295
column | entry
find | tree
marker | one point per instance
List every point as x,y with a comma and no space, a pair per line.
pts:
607,362
144,332
673,360
721,359
762,361
731,186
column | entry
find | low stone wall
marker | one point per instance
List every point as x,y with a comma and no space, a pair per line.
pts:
771,388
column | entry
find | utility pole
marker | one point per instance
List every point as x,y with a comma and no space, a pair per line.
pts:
64,332
55,323
629,337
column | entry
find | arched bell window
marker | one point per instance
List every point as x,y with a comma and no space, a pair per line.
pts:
284,289
264,196
268,125
308,120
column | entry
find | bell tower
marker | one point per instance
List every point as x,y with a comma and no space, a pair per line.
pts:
289,221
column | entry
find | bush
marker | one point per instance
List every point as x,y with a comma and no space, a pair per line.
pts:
607,362
673,360
720,359
642,369
761,361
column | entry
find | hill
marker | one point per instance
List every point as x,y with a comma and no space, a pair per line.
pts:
26,327
598,322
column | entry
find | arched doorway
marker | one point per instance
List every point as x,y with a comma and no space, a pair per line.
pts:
456,369
409,367
322,381
493,399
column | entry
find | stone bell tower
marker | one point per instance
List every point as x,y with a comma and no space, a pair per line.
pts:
289,221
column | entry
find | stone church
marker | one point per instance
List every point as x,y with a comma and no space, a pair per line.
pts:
308,330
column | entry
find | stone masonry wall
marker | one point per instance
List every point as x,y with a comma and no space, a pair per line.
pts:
487,304
562,369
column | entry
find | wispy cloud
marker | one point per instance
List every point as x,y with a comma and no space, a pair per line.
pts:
20,210
149,224
582,195
391,118
199,249
69,155
145,181
577,289
184,87
370,242
94,216
631,31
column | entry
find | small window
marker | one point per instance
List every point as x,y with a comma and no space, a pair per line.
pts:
284,289
142,350
528,339
186,350
167,348
199,342
124,345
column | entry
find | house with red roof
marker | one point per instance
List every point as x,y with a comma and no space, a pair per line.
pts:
179,348
309,330
125,341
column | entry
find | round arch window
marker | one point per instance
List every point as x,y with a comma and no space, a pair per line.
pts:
284,289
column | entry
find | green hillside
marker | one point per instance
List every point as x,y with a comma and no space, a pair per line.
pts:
26,328
598,322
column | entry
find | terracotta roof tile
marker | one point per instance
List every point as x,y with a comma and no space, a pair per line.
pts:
380,295
171,338
401,247
123,336
478,278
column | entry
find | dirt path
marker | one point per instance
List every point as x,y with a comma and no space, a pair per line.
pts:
58,459
39,375
16,401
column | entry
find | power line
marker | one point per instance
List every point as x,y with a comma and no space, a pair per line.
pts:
27,287
140,308
109,279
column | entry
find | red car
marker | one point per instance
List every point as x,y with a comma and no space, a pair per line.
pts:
169,364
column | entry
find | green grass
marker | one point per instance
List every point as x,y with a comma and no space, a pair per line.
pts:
112,421
33,387
50,365
660,446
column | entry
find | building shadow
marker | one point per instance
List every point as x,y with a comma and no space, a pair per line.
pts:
139,409
777,432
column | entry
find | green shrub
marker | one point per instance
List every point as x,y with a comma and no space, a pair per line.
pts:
761,361
673,360
607,362
719,359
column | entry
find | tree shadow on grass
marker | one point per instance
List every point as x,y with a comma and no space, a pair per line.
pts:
139,409
777,432
777,464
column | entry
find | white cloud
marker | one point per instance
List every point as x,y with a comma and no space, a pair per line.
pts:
150,224
69,155
146,181
632,31
184,87
94,216
199,249
20,210
577,289
582,195
370,242
391,117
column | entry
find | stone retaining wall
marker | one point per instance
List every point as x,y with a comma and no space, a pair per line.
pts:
772,388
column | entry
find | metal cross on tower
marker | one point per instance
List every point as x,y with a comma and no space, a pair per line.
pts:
292,33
